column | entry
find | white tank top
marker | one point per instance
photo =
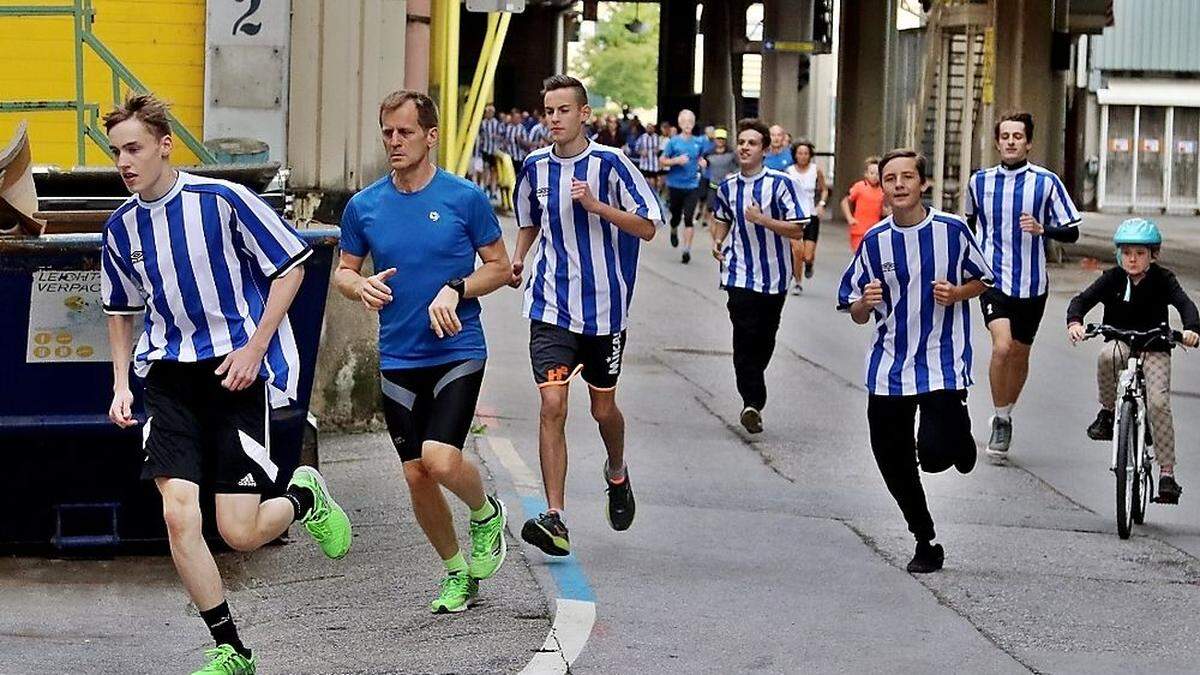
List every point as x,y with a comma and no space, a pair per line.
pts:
806,187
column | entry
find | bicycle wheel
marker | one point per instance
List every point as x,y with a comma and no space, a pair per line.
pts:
1126,480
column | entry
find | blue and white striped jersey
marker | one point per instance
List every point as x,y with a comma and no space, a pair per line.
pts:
200,261
756,258
919,345
539,136
997,197
515,137
648,147
491,132
583,269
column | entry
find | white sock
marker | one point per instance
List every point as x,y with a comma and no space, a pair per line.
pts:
1004,412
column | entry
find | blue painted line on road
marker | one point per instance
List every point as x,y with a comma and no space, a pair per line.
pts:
567,573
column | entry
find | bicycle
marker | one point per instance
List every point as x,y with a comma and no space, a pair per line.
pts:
1133,446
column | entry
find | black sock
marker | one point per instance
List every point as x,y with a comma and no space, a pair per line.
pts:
223,630
302,500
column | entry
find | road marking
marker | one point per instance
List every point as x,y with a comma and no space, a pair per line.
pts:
575,606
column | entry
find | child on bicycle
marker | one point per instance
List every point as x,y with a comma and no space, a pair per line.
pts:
1135,295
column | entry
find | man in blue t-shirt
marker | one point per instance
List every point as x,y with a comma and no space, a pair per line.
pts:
683,156
423,228
779,155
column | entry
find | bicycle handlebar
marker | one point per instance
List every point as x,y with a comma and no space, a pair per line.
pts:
1135,338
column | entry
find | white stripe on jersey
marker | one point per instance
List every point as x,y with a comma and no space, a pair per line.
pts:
583,270
200,261
997,197
648,147
919,346
756,258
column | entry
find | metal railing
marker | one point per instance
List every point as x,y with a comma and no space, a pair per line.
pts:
87,115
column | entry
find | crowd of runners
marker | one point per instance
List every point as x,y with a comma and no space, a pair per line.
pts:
215,270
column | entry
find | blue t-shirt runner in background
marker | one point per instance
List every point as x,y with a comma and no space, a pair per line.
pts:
430,236
684,176
779,161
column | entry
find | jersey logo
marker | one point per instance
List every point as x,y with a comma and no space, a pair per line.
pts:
136,257
435,216
247,481
543,191
889,267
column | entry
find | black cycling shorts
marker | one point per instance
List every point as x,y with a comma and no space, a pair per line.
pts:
201,432
434,403
557,355
812,228
1024,314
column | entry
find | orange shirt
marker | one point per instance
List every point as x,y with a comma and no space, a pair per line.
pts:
867,204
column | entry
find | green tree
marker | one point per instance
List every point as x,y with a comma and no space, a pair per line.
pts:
619,64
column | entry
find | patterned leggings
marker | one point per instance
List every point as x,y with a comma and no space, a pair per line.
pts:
1157,369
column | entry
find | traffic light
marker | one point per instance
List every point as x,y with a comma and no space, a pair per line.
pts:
805,73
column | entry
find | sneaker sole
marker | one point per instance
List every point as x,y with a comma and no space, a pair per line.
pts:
503,542
332,504
997,456
533,534
459,610
752,422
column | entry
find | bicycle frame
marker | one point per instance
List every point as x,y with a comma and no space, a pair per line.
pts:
1131,386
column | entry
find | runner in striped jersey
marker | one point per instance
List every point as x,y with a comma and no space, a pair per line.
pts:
913,274
215,270
754,214
592,209
648,147
1014,207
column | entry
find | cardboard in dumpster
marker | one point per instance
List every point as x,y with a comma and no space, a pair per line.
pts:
18,194
66,322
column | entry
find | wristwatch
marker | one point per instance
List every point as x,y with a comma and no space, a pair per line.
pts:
459,286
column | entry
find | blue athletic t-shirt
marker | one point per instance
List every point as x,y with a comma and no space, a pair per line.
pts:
684,176
430,237
779,161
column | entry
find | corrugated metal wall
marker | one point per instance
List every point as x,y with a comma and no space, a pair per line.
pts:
1153,35
161,41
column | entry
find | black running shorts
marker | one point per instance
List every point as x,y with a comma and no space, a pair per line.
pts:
558,355
812,228
199,431
434,403
1024,314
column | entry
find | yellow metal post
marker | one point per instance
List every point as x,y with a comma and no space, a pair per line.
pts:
450,85
492,58
469,116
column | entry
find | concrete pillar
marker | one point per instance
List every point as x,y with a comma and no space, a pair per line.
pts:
1025,80
861,83
782,101
676,58
717,101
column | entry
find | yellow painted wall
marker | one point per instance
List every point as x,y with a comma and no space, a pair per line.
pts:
160,41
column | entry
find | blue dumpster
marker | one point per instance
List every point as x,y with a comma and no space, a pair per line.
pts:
73,476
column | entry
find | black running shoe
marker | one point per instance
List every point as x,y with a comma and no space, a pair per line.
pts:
687,257
621,506
548,533
1168,490
751,420
674,236
808,271
927,558
1101,429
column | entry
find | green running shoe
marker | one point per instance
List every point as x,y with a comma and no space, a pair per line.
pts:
325,521
458,590
488,546
227,661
